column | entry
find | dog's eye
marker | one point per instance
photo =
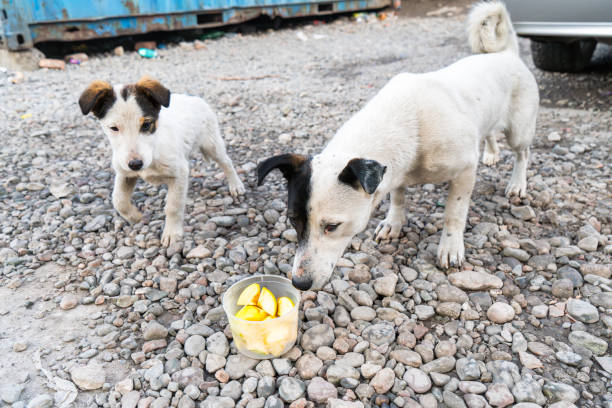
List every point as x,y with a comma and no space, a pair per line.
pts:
146,126
330,228
114,128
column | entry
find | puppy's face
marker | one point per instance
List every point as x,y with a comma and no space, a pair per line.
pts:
330,199
129,117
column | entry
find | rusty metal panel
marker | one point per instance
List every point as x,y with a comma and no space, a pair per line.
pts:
26,22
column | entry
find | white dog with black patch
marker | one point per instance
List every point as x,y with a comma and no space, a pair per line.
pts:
152,133
420,128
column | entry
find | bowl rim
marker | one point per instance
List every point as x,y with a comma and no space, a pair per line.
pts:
259,278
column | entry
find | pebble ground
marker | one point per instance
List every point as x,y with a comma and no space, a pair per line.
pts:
528,321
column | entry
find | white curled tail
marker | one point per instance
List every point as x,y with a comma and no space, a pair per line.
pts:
490,28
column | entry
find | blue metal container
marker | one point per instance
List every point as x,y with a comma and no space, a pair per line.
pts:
27,22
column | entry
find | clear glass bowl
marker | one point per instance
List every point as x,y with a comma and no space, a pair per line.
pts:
266,339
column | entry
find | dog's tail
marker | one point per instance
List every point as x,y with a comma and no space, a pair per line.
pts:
490,28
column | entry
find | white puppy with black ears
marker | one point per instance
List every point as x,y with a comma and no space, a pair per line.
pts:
420,128
152,133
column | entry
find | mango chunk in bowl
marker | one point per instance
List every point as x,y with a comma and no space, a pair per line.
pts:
263,315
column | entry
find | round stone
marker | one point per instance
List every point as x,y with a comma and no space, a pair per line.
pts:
499,395
218,344
383,380
583,311
417,380
317,336
89,377
291,389
69,301
445,348
308,366
194,345
154,331
381,333
500,312
363,313
319,390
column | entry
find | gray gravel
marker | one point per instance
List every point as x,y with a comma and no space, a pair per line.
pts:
140,325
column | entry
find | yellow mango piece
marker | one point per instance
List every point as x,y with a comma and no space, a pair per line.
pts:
278,339
251,313
249,295
267,301
239,340
270,317
284,305
276,349
257,345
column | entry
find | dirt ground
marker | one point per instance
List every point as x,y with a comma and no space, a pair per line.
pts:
305,89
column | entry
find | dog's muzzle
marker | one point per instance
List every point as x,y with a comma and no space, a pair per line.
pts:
135,164
300,281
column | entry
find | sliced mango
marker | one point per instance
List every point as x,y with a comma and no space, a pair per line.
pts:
251,313
267,301
277,340
249,295
284,305
256,344
276,349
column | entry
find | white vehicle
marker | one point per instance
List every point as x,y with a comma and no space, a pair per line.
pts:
563,33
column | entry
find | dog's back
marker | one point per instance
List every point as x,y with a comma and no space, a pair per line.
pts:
486,88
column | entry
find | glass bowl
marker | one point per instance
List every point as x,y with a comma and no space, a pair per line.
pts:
269,338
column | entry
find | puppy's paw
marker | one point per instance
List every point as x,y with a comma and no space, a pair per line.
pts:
171,235
387,230
451,251
516,188
489,158
236,188
132,215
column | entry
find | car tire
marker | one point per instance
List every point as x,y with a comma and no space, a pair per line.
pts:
562,56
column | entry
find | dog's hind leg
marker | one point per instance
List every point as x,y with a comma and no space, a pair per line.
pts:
214,148
122,198
519,135
490,155
391,226
451,250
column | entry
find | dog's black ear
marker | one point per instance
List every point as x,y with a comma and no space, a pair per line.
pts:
363,172
288,164
154,90
97,98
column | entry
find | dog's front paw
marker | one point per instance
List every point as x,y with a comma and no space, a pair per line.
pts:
387,230
451,251
236,188
489,159
517,188
132,215
171,235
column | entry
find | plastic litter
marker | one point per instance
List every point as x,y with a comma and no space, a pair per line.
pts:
147,53
212,35
77,58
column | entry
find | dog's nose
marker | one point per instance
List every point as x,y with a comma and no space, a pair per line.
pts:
135,164
301,282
